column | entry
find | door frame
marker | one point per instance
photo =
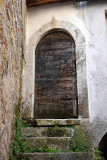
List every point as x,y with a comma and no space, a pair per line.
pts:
75,102
29,68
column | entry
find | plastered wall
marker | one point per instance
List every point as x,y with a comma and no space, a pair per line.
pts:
90,19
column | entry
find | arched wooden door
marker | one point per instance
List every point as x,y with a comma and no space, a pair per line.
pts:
55,77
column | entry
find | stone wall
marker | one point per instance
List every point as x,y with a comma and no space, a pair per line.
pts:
11,65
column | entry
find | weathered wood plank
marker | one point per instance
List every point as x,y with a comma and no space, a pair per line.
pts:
55,76
56,110
31,3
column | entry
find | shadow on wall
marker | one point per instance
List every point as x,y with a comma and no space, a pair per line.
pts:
103,146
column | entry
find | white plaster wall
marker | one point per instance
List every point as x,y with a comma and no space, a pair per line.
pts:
95,23
94,20
39,16
90,19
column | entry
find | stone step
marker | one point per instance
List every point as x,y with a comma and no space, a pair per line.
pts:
47,132
55,156
60,143
58,122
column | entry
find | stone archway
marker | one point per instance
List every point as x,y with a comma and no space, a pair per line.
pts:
29,68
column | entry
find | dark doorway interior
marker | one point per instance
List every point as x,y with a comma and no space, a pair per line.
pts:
55,77
103,146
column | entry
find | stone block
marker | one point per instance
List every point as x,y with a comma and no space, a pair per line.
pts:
57,156
61,143
46,132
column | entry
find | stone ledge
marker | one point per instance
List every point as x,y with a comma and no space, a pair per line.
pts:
60,122
57,156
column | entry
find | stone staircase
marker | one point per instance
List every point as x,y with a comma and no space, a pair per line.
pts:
53,134
54,137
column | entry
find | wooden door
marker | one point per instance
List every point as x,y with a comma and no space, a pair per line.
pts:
55,77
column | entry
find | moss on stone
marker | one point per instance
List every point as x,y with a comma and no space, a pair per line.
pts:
56,131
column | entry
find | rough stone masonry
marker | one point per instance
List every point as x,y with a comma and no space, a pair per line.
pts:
11,64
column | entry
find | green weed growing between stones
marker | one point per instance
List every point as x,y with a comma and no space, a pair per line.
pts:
20,145
48,150
80,142
50,157
97,155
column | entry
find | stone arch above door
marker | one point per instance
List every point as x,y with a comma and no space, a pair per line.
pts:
29,68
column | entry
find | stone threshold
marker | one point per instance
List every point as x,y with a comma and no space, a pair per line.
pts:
60,122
